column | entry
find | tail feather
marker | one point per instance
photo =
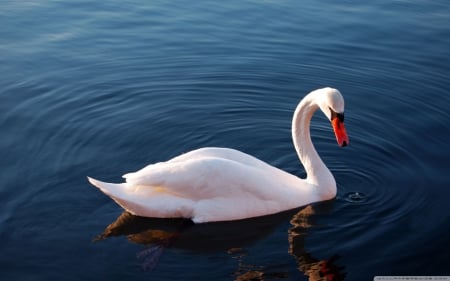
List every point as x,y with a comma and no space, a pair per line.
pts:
146,202
111,189
121,195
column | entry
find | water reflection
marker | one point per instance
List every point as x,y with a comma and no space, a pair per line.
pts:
314,268
232,238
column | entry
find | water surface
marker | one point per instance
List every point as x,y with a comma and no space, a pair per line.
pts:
102,89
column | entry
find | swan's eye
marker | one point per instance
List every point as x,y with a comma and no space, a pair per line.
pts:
334,114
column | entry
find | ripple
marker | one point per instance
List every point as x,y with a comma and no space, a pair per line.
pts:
355,197
131,117
385,185
105,89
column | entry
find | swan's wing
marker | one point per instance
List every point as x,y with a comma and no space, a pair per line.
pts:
222,153
209,188
205,178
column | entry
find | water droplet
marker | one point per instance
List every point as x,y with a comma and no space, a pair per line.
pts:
355,197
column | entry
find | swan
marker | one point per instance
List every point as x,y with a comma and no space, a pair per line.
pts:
221,184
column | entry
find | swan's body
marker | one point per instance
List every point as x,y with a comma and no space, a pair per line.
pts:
220,184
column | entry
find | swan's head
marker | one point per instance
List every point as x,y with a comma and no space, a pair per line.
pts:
331,103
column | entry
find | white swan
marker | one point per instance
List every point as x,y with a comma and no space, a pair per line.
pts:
220,184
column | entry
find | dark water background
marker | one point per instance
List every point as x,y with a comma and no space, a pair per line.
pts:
101,89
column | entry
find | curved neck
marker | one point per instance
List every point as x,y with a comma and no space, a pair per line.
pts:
317,173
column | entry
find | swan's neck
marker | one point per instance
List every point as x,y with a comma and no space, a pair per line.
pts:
316,171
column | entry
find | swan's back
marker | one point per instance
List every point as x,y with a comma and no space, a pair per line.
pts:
208,184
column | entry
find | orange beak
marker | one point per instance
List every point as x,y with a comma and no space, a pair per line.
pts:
340,132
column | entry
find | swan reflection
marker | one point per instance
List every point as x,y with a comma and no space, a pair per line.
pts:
228,237
315,269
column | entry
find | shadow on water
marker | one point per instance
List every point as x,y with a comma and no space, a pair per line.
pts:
230,237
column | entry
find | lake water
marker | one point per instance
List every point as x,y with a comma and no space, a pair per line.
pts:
102,89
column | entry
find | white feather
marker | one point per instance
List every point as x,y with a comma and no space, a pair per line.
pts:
219,184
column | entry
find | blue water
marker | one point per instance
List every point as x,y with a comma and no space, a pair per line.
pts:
101,89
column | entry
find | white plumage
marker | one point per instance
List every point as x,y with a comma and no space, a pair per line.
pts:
220,184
